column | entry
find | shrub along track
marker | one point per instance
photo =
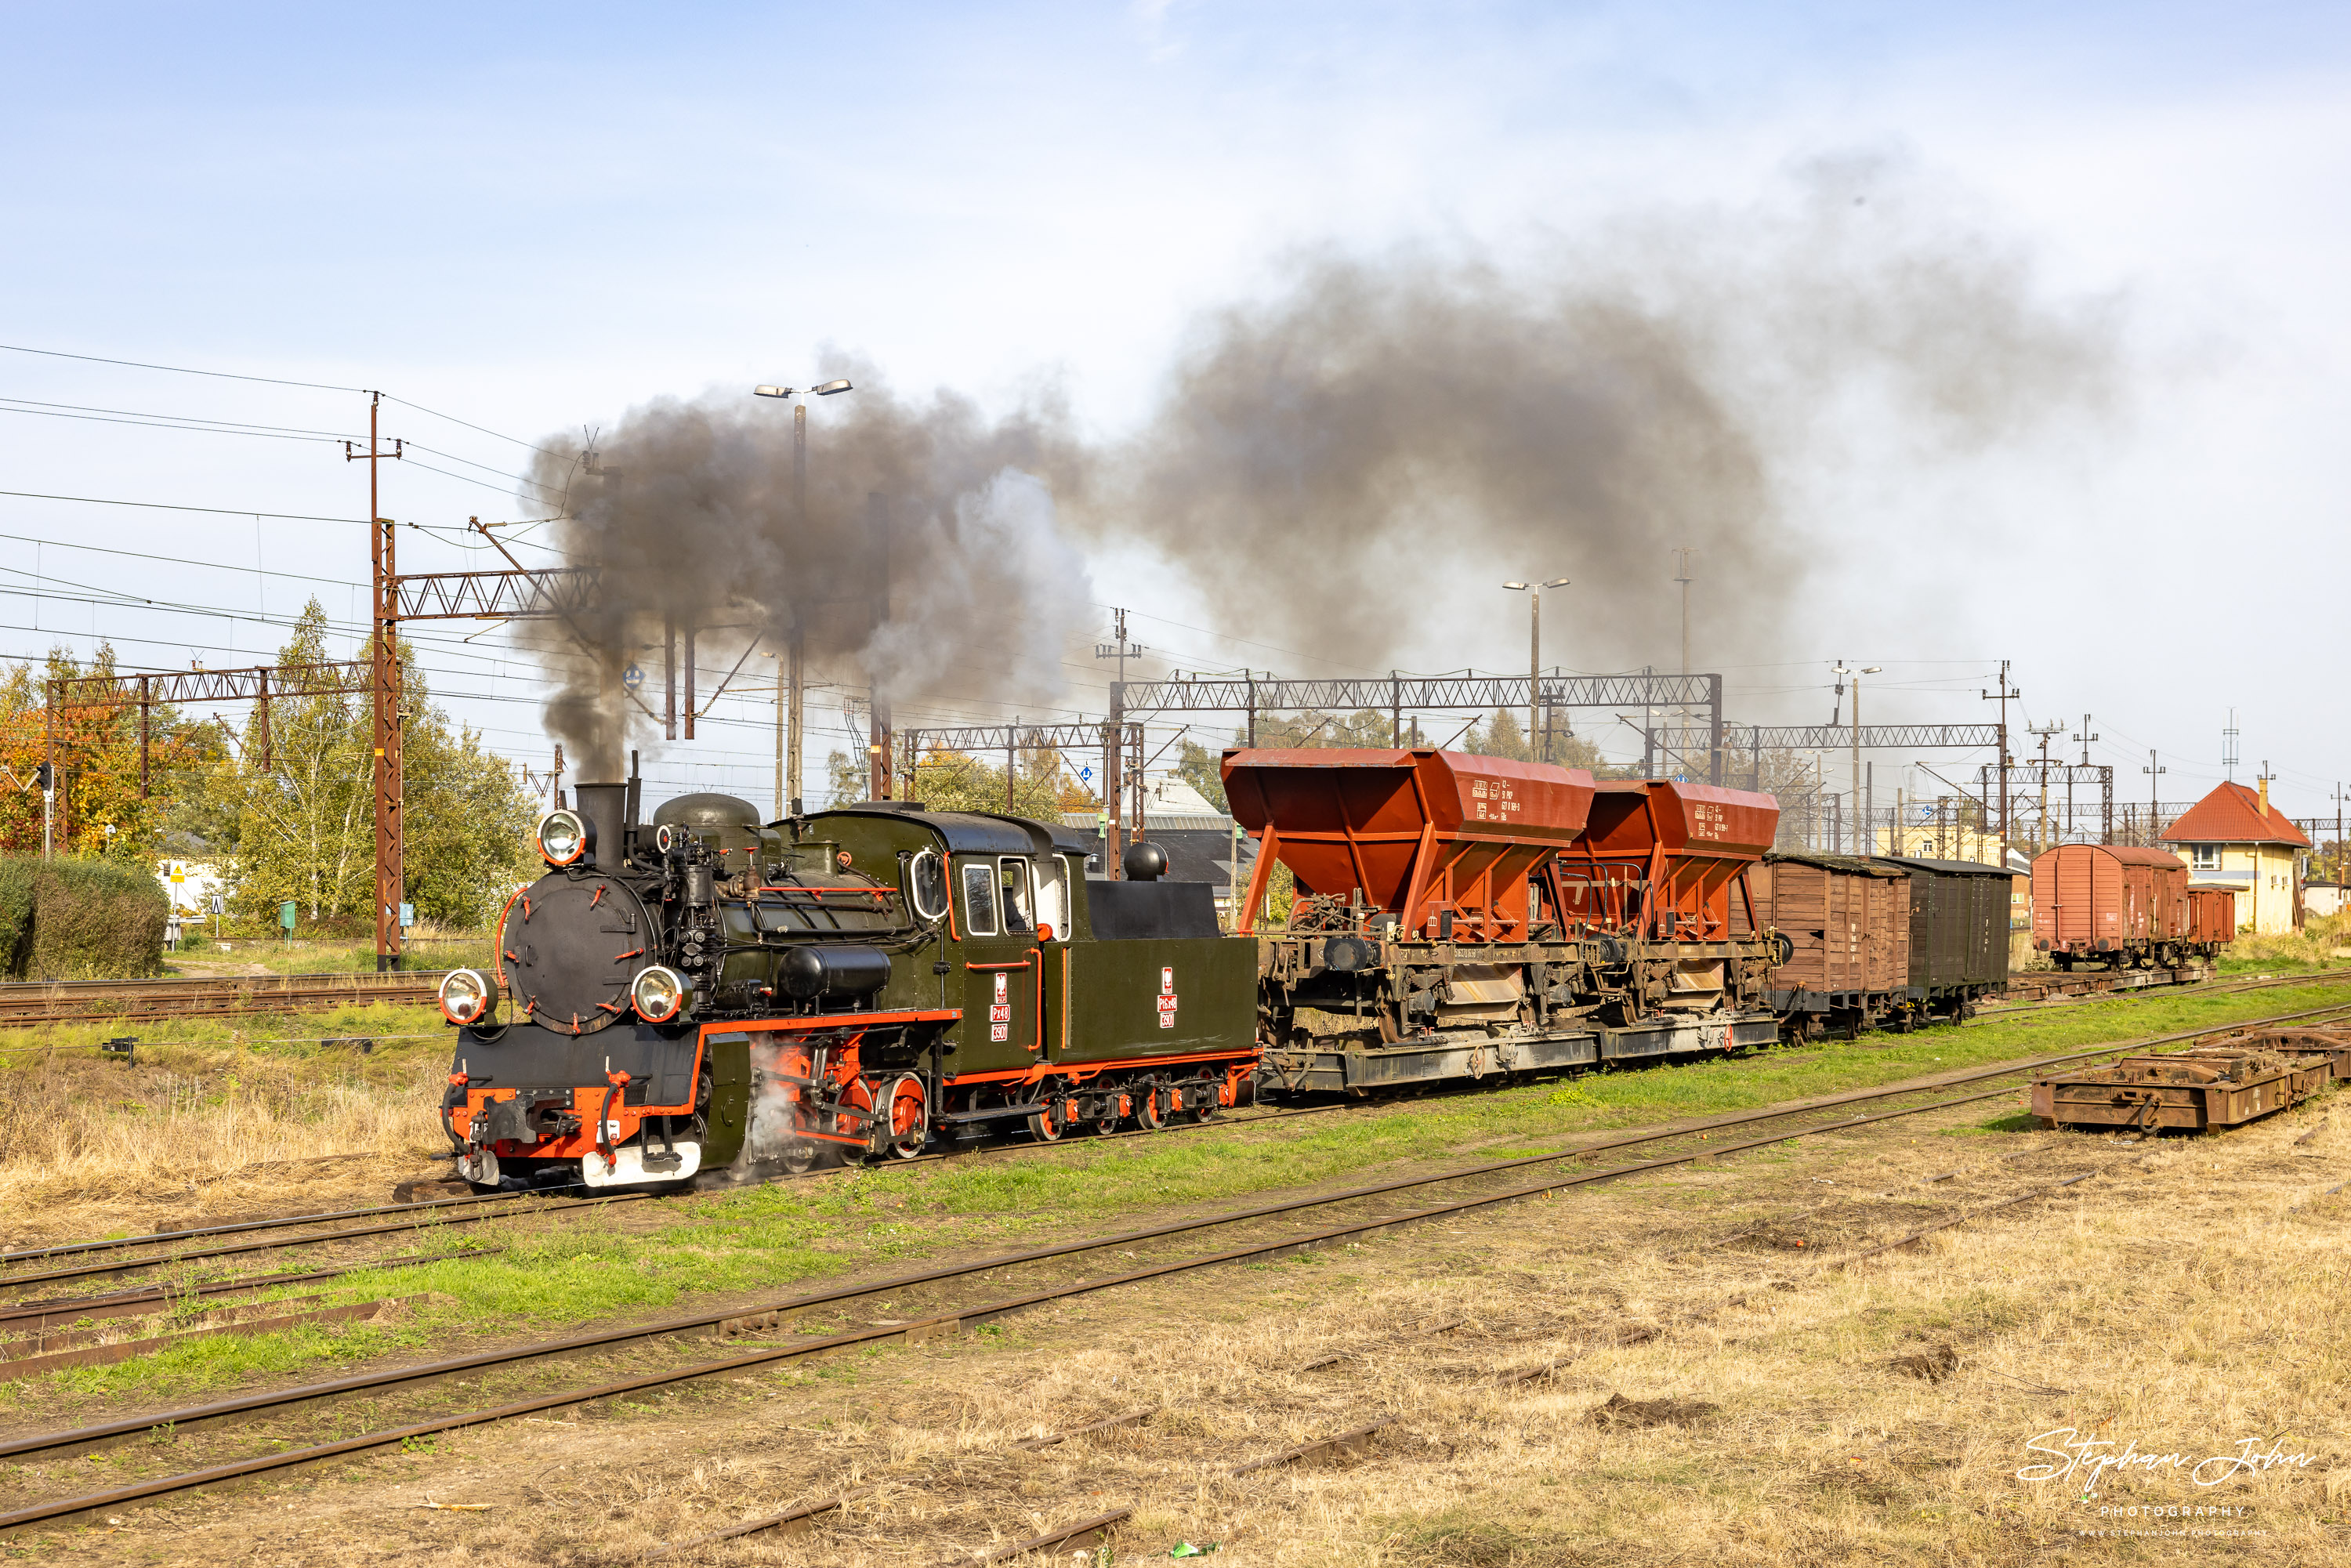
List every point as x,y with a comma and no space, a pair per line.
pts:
1267,1231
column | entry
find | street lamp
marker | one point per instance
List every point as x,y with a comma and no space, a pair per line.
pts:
791,671
1533,590
822,388
1860,828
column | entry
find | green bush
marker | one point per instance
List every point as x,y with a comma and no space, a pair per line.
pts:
74,919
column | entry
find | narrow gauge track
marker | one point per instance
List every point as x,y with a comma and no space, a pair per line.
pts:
551,1202
1667,1147
90,1001
2061,995
424,1219
124,1265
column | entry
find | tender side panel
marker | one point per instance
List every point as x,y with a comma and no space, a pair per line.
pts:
1183,997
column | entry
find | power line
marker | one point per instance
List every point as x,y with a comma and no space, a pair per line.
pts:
183,560
469,425
171,506
180,370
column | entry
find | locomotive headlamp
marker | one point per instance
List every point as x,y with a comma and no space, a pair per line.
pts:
565,838
468,996
659,994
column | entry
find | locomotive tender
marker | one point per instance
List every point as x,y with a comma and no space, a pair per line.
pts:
676,998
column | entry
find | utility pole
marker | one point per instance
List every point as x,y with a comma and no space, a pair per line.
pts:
1114,783
794,735
1682,554
2229,748
2338,848
2153,774
877,520
2083,740
1842,669
1533,589
2042,733
2003,696
384,626
794,730
783,679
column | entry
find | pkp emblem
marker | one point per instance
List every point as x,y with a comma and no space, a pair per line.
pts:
1000,1012
1166,998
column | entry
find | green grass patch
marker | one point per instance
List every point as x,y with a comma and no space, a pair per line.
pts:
777,1241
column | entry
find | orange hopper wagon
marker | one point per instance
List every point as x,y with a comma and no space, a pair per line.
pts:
1454,919
1443,841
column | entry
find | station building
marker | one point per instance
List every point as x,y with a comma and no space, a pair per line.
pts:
2234,839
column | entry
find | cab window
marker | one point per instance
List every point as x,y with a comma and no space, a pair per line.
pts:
980,897
927,885
1019,906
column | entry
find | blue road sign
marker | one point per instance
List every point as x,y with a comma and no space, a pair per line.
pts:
632,678
1085,774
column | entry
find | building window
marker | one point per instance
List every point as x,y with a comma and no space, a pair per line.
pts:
2204,857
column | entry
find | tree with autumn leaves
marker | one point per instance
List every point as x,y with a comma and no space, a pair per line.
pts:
295,824
101,810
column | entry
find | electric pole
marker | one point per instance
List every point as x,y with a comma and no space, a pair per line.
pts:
2003,696
1113,781
796,678
2043,733
384,683
1860,824
2338,848
2083,740
877,522
2153,773
1682,554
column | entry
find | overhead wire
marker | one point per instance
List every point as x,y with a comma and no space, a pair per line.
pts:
179,369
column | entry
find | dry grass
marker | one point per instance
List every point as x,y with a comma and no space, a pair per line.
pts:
2173,1299
89,1147
2314,945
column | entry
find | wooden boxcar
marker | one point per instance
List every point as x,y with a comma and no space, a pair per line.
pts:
1958,934
2112,906
2211,915
1847,925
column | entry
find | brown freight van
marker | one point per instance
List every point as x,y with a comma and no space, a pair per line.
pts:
2110,906
2211,916
1846,922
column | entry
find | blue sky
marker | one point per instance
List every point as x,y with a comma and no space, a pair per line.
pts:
533,217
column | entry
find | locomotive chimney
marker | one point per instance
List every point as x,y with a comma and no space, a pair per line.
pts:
607,806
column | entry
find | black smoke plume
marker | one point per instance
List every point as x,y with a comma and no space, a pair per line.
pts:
1349,465
690,509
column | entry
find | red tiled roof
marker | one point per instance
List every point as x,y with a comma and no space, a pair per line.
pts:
2231,814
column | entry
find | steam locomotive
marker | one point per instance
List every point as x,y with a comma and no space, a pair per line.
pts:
701,994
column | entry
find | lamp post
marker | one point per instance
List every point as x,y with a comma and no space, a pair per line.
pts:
790,674
1533,590
783,695
1860,824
